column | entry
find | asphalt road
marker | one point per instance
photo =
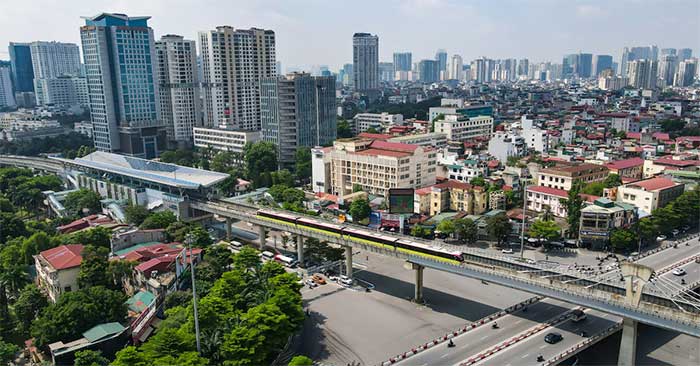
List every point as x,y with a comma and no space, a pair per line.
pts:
672,255
485,337
526,351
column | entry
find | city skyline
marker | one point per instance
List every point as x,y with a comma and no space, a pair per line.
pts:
521,29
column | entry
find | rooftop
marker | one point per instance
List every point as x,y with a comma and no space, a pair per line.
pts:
624,164
64,256
154,171
653,184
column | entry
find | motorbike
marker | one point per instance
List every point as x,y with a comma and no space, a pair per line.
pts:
494,326
450,344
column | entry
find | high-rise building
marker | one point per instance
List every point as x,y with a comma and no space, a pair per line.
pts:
684,54
402,61
686,72
523,66
600,63
667,69
278,67
365,60
7,97
57,70
386,72
441,58
429,71
569,65
585,65
637,53
668,52
297,110
22,69
348,77
642,73
118,53
233,63
482,70
455,71
180,110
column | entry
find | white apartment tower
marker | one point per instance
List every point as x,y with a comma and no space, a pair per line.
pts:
365,59
455,71
57,73
686,72
642,73
176,65
233,63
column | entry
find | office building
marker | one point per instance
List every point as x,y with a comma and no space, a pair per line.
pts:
7,97
62,91
455,70
461,128
684,54
377,121
223,139
637,53
600,219
386,72
649,194
584,67
563,176
668,52
233,63
119,56
667,69
642,74
375,166
433,139
22,68
178,82
297,110
441,58
569,65
365,61
686,72
600,63
402,61
429,71
523,67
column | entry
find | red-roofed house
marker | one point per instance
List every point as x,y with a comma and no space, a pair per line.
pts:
655,167
57,270
539,197
650,194
630,168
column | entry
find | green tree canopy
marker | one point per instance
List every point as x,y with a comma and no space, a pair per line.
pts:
93,268
322,252
499,227
303,164
612,180
29,305
359,209
573,204
467,230
594,188
301,361
622,240
544,229
7,352
260,158
82,199
158,220
446,227
344,130
90,358
135,214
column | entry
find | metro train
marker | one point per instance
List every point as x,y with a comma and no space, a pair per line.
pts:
363,236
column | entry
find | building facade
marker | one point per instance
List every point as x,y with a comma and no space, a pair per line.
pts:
563,176
402,62
642,73
223,139
600,219
429,71
7,96
378,121
297,110
650,194
119,55
63,91
365,60
57,270
176,62
22,68
233,63
460,128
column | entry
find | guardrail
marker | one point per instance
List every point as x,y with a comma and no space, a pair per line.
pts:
676,265
660,248
582,345
483,321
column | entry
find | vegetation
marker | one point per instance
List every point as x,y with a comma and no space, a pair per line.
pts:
301,361
466,230
260,161
90,358
23,189
320,252
136,214
184,157
303,164
420,231
573,204
359,209
7,352
83,201
499,227
158,220
408,110
67,145
594,188
544,229
684,210
344,129
612,180
623,240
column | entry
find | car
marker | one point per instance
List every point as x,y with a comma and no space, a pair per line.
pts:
578,315
661,238
236,244
310,282
634,254
345,280
675,232
530,261
318,279
686,228
678,272
553,338
507,251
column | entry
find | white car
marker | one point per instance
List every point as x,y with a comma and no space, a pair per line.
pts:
678,272
507,251
345,280
661,238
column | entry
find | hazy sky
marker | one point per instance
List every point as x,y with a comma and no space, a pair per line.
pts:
312,32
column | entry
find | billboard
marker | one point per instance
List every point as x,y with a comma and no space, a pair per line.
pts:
401,200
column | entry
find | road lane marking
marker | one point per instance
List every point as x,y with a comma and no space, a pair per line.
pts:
525,355
543,346
445,355
519,321
484,337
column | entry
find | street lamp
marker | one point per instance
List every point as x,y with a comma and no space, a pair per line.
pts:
188,241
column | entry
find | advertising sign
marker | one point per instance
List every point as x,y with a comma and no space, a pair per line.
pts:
401,200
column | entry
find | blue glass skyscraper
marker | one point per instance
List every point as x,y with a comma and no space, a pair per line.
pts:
22,70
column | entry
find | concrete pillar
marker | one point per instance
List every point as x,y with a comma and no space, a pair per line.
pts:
300,250
418,296
628,343
348,261
262,236
228,228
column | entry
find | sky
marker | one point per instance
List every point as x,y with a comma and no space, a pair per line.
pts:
319,32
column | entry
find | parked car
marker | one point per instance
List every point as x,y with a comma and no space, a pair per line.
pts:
318,279
345,280
675,232
661,238
310,282
236,244
553,338
507,251
678,272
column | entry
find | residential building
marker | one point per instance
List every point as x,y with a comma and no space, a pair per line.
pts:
684,54
686,73
649,194
57,270
612,83
107,339
62,91
667,69
428,71
119,56
504,145
564,175
455,71
297,110
459,128
536,139
465,170
523,67
22,68
233,63
224,139
450,196
600,219
441,59
628,168
585,65
539,198
600,63
365,60
460,109
386,72
569,65
402,62
375,166
176,62
433,139
642,74
482,70
378,121
52,60
7,97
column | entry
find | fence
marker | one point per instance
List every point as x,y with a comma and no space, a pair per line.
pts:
582,345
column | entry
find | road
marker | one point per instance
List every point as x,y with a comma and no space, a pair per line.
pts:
485,337
672,255
526,351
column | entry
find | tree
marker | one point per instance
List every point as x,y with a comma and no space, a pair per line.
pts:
29,305
672,125
544,229
301,361
98,236
594,188
612,180
11,226
135,214
467,230
179,157
82,199
499,227
282,177
359,209
260,157
200,237
90,358
356,188
513,160
303,164
573,204
344,129
446,227
371,130
421,231
623,240
547,215
7,352
478,181
224,161
118,272
322,252
93,268
158,220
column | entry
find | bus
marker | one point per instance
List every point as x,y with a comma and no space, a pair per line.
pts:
286,261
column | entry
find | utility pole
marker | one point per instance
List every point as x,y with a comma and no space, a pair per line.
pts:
522,228
188,241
